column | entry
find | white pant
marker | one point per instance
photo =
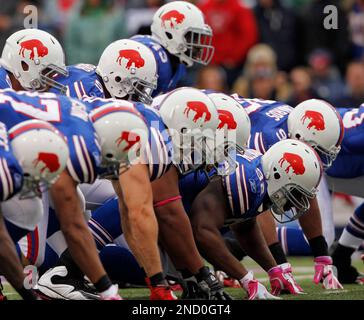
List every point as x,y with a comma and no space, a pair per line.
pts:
326,211
24,213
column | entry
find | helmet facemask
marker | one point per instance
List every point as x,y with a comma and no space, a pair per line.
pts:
34,186
198,46
134,87
290,202
327,156
45,79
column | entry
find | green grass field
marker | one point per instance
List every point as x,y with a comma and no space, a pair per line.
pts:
303,271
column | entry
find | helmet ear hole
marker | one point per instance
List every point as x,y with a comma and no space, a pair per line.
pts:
25,66
297,136
169,35
277,176
117,79
26,174
109,155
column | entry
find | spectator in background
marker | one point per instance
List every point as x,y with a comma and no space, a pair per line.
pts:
260,78
139,15
277,27
235,32
356,23
326,78
212,78
314,34
301,86
354,87
91,28
56,12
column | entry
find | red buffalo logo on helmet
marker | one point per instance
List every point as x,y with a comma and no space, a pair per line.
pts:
226,118
200,110
130,138
50,161
316,120
173,17
32,46
294,161
133,57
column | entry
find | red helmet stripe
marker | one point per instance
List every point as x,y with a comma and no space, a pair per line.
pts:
103,112
33,126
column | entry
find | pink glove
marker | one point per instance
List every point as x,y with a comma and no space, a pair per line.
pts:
325,273
254,289
281,279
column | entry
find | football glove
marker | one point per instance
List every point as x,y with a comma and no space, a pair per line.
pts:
254,289
325,272
281,280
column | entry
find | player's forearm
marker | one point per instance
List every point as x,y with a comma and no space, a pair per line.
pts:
268,227
216,252
177,237
10,265
311,221
74,227
141,233
253,243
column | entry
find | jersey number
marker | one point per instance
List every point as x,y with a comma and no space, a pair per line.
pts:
48,109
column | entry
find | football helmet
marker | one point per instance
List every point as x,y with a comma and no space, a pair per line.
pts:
123,135
192,120
41,151
128,68
180,27
317,123
233,130
293,171
34,57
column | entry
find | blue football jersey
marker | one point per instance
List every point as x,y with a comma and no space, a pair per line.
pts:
82,80
167,77
350,160
268,120
246,188
159,151
191,184
11,174
4,79
68,115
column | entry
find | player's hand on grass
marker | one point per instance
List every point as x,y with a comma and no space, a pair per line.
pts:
282,280
326,273
255,290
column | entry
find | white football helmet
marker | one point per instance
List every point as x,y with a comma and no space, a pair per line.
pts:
192,119
234,121
123,135
180,27
42,152
34,57
317,123
293,171
128,68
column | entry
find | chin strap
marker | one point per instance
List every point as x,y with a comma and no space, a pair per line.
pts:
166,201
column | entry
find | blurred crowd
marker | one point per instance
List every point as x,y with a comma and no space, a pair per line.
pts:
268,49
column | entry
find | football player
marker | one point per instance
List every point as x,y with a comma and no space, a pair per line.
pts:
345,175
180,37
317,123
11,177
70,117
283,179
